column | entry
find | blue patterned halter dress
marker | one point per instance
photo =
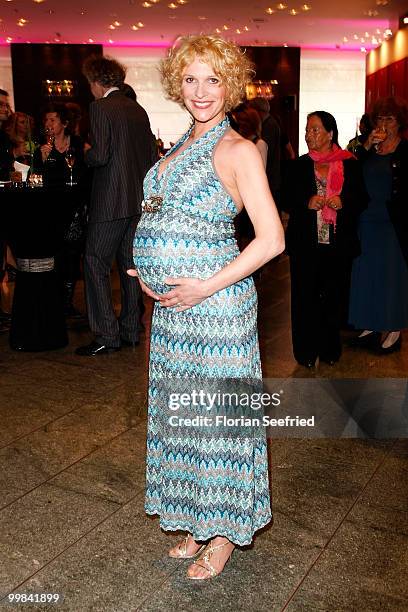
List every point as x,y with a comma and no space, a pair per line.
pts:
202,485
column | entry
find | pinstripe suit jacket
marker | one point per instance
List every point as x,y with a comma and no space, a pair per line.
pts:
122,152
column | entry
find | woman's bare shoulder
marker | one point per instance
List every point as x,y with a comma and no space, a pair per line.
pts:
233,144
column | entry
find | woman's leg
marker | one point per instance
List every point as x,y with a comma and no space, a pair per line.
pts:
304,308
332,270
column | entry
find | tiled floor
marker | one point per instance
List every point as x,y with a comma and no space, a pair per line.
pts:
72,447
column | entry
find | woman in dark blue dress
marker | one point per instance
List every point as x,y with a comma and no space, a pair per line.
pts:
379,284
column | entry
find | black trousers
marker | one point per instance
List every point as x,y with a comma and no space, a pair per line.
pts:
107,241
318,281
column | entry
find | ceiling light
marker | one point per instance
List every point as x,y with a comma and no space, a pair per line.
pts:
90,40
111,41
112,27
281,6
388,32
405,20
117,24
362,40
285,45
218,30
374,41
181,1
238,31
146,4
9,39
345,39
38,1
172,5
135,28
363,50
355,37
246,29
270,11
306,7
381,2
140,24
293,12
366,34
202,18
225,28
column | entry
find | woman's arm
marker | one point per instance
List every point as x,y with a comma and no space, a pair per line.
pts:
246,180
263,149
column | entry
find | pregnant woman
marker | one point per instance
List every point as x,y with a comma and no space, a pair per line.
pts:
204,320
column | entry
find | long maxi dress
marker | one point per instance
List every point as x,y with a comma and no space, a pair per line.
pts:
204,485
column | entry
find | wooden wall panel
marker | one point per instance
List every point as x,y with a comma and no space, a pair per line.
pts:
389,81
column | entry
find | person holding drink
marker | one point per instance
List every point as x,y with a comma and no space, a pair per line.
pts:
379,282
60,160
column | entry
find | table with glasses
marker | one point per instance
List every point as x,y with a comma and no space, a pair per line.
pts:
35,221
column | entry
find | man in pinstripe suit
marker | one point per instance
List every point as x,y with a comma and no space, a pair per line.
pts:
122,150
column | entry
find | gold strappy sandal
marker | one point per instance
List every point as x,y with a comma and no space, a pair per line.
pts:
205,559
182,548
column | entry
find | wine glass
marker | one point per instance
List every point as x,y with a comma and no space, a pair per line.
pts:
379,135
50,140
70,161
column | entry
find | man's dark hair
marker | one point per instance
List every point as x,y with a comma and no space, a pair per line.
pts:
260,104
3,92
128,91
104,70
329,123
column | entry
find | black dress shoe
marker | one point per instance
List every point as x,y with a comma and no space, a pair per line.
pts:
391,349
95,348
329,360
308,363
124,342
370,341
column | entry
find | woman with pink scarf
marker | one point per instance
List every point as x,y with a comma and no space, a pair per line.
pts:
324,195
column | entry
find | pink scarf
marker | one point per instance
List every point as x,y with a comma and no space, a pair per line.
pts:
335,177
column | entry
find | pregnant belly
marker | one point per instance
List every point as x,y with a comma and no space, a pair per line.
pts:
162,254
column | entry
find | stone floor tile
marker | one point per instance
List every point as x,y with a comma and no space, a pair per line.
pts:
363,568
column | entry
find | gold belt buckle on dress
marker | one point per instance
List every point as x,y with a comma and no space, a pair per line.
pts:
152,204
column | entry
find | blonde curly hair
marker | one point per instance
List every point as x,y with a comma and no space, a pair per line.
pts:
229,62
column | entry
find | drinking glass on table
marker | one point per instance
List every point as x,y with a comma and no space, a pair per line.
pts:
70,161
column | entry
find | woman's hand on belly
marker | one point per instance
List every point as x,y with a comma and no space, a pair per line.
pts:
187,292
144,288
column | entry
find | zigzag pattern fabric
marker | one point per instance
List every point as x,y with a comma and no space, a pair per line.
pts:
206,485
